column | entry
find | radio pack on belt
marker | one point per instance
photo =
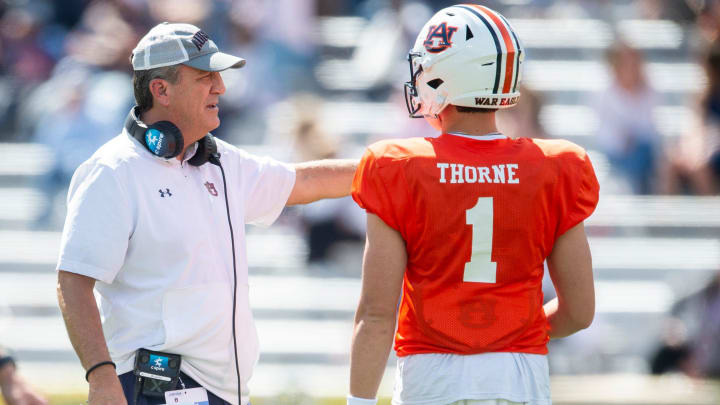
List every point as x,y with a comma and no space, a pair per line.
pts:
158,371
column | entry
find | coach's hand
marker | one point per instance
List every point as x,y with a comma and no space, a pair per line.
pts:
105,388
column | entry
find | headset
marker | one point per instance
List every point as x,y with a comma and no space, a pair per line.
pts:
164,139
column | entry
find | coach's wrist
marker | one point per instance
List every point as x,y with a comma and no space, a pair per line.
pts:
351,400
102,375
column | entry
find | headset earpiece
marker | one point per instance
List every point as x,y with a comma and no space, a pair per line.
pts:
164,139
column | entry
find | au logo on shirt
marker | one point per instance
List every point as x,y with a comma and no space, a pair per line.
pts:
211,188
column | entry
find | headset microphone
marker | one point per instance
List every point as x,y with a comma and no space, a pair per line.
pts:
214,158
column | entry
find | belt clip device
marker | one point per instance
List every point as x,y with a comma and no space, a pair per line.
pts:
159,371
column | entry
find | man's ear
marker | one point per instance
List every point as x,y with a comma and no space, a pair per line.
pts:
158,88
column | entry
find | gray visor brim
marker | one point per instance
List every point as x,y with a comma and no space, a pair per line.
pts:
216,62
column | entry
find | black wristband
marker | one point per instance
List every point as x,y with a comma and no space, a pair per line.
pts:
5,360
102,363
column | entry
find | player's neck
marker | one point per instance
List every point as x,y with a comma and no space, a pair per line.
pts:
469,123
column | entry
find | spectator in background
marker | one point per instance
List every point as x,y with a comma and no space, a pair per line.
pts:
524,119
283,30
627,133
23,52
679,11
277,36
692,334
15,391
249,94
24,62
331,221
80,107
708,18
695,163
710,108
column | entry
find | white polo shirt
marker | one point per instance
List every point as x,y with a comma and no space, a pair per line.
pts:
154,233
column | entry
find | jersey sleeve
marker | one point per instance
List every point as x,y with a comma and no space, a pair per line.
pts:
98,225
371,189
579,193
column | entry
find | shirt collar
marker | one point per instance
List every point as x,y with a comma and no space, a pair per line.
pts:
486,137
190,152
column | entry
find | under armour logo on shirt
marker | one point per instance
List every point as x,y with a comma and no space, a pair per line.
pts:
164,193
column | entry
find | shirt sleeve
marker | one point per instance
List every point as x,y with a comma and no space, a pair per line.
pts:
580,189
268,186
98,224
370,189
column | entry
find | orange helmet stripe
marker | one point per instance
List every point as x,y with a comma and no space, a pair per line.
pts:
505,32
481,17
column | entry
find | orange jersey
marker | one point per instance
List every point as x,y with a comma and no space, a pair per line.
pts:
478,217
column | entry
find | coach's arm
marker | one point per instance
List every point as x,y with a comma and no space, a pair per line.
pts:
570,266
315,180
82,320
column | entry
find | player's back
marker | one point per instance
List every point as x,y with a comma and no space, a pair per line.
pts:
479,217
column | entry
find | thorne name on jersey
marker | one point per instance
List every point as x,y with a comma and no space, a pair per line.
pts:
460,173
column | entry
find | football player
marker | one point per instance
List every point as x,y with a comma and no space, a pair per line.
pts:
461,225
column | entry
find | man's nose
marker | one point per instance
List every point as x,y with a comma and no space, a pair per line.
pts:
218,86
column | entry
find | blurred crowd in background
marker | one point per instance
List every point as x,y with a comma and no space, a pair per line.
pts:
65,82
64,74
64,70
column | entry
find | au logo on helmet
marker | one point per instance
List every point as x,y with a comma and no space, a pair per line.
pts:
439,37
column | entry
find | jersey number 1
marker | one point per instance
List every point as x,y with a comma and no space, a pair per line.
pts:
481,268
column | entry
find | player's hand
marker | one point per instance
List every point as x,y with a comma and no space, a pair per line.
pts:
105,388
17,392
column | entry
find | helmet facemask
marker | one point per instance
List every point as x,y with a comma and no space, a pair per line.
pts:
412,100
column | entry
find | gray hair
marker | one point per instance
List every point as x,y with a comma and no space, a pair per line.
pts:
141,83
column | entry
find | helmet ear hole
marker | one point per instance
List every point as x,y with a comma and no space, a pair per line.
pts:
468,33
435,83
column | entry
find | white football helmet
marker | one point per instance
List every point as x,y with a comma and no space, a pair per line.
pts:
466,55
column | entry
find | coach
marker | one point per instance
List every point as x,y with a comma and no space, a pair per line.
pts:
150,227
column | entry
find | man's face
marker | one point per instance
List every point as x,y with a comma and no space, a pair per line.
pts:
194,101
